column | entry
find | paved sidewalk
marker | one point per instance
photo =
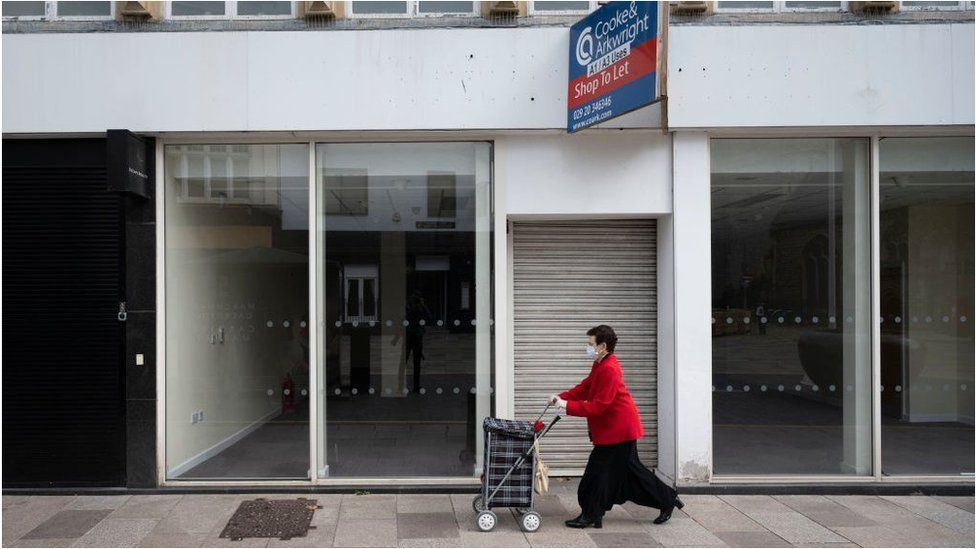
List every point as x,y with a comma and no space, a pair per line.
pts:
448,521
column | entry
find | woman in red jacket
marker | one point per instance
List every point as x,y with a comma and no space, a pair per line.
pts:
614,474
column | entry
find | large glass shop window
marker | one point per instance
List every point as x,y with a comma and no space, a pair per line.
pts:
404,285
237,333
926,221
791,326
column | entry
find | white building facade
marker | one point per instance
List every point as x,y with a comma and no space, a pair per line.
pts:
361,241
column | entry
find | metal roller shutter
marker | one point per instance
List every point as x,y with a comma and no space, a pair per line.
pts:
569,276
63,407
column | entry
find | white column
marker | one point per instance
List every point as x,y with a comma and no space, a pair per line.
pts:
665,349
692,275
857,321
482,289
504,381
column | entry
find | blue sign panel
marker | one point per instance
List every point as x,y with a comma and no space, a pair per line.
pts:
612,63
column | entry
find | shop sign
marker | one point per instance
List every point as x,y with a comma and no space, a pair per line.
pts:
128,163
613,63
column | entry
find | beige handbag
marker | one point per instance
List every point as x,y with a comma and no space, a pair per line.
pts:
541,483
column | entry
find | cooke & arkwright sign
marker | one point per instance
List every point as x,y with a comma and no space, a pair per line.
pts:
613,58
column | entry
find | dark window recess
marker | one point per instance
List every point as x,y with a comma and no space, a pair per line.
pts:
63,407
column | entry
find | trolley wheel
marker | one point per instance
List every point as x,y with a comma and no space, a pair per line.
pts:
531,521
486,521
478,504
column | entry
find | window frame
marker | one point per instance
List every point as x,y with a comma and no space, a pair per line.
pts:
351,13
532,10
230,13
959,6
475,11
51,14
413,10
779,6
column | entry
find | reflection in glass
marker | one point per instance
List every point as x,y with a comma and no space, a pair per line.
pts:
237,311
23,9
926,251
197,8
379,7
251,7
791,300
404,277
82,9
446,7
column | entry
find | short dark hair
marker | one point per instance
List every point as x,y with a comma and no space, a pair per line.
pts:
604,334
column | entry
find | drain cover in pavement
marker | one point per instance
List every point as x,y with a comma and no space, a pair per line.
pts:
274,518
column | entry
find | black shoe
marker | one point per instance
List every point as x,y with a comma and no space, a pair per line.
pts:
583,522
666,512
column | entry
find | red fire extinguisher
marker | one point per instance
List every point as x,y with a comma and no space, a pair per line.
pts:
287,395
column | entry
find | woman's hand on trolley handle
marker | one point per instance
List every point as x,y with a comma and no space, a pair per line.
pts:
554,399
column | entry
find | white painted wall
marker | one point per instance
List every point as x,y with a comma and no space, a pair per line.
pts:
616,174
820,75
485,79
253,81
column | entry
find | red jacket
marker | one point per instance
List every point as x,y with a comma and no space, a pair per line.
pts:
602,398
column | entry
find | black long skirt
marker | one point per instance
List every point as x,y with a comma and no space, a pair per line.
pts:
614,474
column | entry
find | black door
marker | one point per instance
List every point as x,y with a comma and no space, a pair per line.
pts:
63,351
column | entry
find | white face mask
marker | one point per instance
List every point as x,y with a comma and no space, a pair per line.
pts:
591,352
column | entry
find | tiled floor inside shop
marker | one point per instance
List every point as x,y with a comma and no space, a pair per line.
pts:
442,520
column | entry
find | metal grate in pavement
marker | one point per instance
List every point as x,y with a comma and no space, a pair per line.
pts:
275,518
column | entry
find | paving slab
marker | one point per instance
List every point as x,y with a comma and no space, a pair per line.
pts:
322,535
623,539
41,543
199,514
97,502
424,503
366,532
881,511
430,542
825,511
153,506
23,515
894,535
718,516
72,523
680,531
767,504
169,539
122,532
752,539
493,539
966,503
618,520
378,506
426,525
560,536
945,514
795,527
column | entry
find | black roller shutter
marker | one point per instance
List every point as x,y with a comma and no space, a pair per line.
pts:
63,391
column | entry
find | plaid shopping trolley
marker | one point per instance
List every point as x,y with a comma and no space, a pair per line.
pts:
509,470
